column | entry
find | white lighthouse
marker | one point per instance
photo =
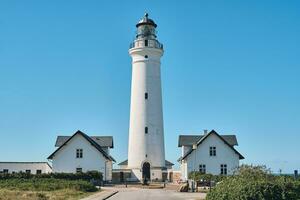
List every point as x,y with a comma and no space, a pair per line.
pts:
146,150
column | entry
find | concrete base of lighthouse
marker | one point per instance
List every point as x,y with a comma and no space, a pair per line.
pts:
153,174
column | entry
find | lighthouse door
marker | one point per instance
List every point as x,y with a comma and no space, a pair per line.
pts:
146,170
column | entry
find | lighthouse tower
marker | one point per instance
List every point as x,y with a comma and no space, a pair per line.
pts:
146,151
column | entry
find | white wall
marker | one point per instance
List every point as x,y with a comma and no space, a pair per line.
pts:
146,113
23,166
155,174
224,155
65,159
183,170
123,166
109,168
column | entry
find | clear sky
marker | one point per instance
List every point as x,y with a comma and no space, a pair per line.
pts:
231,66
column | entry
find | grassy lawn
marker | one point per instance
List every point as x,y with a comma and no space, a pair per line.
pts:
64,194
45,189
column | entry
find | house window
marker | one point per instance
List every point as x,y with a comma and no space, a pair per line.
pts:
146,43
79,153
28,171
78,170
5,171
38,171
202,169
146,130
223,169
212,151
146,95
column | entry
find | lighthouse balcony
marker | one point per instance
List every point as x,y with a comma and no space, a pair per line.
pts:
152,43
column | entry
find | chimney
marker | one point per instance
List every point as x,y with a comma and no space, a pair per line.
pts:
205,131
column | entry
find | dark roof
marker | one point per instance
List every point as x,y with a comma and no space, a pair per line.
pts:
89,139
206,136
146,21
103,141
125,162
26,163
189,140
168,163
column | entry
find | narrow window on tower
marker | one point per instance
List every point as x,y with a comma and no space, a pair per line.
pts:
146,129
146,43
146,95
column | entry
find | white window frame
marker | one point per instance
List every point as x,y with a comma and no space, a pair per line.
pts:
79,153
202,168
212,151
223,169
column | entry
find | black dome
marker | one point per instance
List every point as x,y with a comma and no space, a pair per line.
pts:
146,21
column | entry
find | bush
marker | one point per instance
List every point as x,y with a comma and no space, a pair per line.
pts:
46,184
198,176
256,183
91,175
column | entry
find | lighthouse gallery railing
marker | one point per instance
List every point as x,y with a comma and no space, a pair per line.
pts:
146,43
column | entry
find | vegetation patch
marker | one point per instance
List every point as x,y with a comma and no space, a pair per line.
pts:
65,194
91,175
256,183
48,186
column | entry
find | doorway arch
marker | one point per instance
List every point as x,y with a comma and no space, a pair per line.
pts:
146,170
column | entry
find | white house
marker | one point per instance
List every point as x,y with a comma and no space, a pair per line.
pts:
210,153
81,153
28,167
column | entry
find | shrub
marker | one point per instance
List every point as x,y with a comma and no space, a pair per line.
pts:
90,175
256,183
198,176
46,184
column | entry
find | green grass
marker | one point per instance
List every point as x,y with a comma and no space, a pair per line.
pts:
65,194
50,184
44,189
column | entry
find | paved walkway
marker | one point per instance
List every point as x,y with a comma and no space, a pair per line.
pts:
137,193
105,194
154,194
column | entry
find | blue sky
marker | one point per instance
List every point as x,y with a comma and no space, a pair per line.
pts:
232,66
